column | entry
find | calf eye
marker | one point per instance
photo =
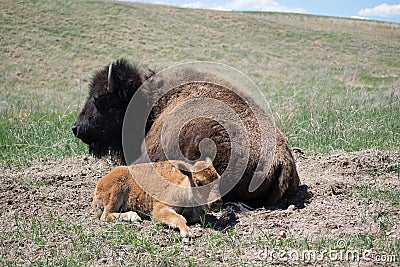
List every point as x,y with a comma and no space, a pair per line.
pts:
199,183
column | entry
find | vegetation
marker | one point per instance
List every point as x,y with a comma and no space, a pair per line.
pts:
333,85
70,244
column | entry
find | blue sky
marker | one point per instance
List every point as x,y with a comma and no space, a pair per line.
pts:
386,10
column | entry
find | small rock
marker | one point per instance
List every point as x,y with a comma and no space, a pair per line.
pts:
338,188
282,234
187,240
103,260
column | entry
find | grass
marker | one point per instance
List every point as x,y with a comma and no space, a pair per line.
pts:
37,136
343,126
125,244
332,85
331,82
368,191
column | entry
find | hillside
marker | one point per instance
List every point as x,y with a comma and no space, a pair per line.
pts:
334,89
52,48
342,75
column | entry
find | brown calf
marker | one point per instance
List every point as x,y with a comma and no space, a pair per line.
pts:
118,194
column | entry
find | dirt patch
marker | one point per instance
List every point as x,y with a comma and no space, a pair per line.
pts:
342,195
328,201
61,187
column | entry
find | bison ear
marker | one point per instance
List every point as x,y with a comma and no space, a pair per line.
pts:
183,169
110,80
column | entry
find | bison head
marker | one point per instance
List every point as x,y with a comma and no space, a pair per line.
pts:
100,122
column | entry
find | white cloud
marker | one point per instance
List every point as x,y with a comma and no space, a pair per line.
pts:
261,5
160,3
201,5
193,5
383,10
246,5
359,17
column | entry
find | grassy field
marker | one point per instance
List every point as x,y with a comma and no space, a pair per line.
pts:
333,85
133,246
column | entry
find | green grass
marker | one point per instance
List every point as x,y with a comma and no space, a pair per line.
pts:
71,244
332,83
37,137
368,191
343,126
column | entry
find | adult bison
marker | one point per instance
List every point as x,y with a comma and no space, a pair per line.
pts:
251,154
100,122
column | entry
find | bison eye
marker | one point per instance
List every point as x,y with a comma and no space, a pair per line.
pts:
101,103
199,183
104,103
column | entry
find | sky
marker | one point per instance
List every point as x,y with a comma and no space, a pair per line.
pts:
386,10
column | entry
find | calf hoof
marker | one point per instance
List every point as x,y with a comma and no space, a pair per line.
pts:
133,216
187,236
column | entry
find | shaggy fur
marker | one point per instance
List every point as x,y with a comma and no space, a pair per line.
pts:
277,182
281,180
118,195
100,122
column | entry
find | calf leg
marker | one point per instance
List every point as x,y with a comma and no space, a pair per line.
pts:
114,204
169,216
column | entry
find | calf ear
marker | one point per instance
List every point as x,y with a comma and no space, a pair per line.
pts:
200,165
146,74
183,169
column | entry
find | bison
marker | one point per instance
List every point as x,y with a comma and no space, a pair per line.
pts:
118,195
100,123
267,160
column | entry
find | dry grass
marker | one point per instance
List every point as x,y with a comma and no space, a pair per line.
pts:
51,48
341,75
333,84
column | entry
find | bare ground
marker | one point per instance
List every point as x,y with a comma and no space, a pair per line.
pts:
333,203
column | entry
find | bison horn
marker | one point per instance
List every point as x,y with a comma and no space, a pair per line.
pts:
110,86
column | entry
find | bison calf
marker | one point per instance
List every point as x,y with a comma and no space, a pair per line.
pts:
118,194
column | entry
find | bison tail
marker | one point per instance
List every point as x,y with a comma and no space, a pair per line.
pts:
285,179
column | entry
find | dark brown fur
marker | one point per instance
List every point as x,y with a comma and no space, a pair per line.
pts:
100,122
279,181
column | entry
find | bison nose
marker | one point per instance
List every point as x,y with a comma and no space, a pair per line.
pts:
75,130
216,205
